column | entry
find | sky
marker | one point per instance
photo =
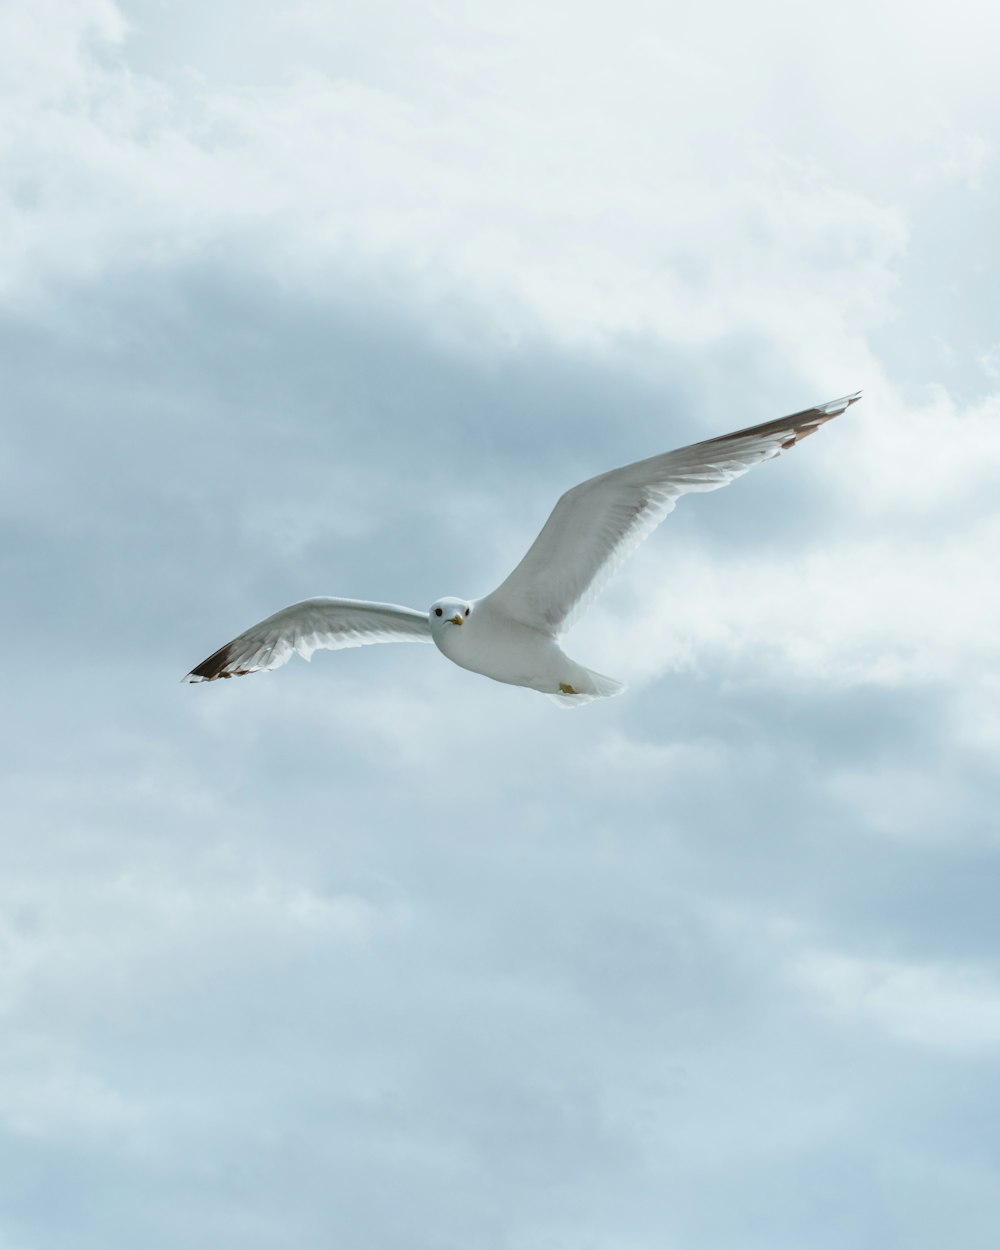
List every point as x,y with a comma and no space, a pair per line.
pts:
337,299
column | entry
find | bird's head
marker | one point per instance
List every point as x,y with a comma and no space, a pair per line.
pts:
446,612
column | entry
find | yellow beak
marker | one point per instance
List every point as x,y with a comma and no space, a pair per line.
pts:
456,619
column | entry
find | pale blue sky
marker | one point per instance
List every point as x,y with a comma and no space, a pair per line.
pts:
376,953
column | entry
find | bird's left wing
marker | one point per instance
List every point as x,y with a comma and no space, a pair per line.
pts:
313,625
596,525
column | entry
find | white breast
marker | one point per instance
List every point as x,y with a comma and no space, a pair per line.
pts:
498,647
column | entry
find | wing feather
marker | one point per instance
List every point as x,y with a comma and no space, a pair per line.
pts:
595,526
312,625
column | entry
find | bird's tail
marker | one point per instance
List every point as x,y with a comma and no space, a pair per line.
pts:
585,685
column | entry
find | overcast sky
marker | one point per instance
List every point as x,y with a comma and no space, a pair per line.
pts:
373,953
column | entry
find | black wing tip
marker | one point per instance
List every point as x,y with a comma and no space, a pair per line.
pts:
834,407
798,425
215,667
809,421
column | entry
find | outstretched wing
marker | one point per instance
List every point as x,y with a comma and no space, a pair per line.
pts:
313,625
596,525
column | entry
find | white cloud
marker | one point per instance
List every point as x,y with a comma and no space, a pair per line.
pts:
945,1006
560,196
61,939
53,46
856,610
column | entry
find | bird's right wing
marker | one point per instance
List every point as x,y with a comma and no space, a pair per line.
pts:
596,525
313,625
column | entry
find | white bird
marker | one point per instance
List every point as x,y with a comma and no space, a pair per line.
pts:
512,634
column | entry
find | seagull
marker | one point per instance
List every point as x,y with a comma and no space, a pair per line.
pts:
512,634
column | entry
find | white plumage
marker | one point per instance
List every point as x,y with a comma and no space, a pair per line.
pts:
512,634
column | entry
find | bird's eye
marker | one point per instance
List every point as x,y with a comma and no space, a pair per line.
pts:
437,612
466,611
